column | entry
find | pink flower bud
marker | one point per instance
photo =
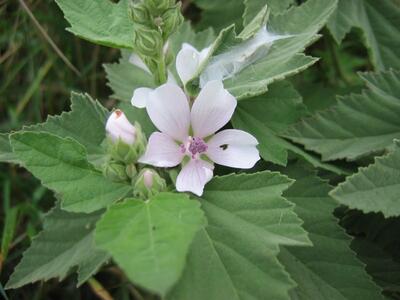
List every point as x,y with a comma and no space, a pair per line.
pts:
118,127
148,178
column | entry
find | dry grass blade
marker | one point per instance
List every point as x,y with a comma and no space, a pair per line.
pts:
48,38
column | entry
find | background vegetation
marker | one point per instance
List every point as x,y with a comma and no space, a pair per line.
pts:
41,63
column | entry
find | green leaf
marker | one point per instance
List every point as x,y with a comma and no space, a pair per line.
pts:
220,14
186,34
85,123
62,166
124,77
358,124
375,188
283,58
380,22
6,154
252,8
380,265
101,22
234,257
150,239
267,116
329,269
65,243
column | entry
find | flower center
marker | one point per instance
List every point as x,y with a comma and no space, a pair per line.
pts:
194,146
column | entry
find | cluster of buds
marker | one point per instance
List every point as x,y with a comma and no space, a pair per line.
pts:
154,21
126,143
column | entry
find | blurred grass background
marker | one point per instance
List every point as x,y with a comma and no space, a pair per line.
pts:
40,64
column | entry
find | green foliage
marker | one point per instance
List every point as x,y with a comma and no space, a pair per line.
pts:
283,58
336,133
124,77
267,116
328,270
6,154
375,188
248,220
380,265
65,243
61,164
100,22
84,123
380,23
252,8
150,239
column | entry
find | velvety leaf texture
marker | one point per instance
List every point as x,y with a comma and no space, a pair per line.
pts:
85,123
65,243
284,57
252,7
62,166
6,154
375,188
380,23
234,257
329,270
358,125
102,21
150,239
267,116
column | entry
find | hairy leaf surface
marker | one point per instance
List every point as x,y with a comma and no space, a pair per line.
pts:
65,243
358,124
380,22
101,22
375,188
62,166
329,269
150,239
234,257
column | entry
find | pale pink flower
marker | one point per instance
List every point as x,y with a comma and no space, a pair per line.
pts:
119,127
187,135
188,62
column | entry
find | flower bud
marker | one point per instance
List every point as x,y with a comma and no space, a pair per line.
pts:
118,127
131,170
172,18
140,13
148,42
126,143
158,6
148,184
115,171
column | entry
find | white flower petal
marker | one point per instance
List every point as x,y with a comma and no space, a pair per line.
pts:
233,148
187,62
168,109
119,127
135,60
171,78
194,176
140,97
162,151
212,109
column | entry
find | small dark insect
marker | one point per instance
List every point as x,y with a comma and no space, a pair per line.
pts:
224,147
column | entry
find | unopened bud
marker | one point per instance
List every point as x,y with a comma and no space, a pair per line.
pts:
140,13
172,18
148,42
126,143
131,170
158,6
148,184
115,171
118,127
